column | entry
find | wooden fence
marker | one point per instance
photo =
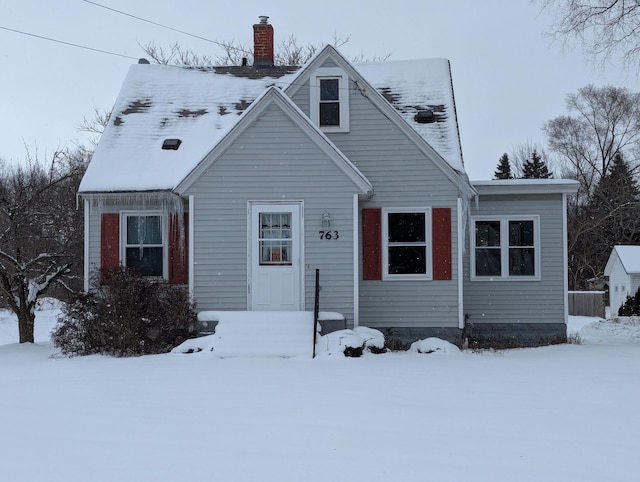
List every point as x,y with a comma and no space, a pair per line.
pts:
587,303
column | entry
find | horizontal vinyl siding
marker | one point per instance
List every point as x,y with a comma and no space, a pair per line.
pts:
402,177
514,301
271,161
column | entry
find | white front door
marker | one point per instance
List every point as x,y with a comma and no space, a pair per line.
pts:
274,258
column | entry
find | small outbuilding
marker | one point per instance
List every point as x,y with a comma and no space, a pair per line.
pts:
623,271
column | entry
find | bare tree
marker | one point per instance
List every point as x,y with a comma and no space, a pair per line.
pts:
95,126
288,52
602,123
40,232
602,27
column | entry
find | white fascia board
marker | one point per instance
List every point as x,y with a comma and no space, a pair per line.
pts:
526,186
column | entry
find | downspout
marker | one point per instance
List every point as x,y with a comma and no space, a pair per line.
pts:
460,264
565,256
190,253
86,246
356,263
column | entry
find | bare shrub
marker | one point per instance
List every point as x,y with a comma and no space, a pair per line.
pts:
126,315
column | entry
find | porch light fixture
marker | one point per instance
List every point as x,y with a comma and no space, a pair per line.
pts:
326,220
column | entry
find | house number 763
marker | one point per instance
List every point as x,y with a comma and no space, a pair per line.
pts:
329,234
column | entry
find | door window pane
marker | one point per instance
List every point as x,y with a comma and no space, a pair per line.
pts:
274,240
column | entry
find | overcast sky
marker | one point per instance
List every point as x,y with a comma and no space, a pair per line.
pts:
508,79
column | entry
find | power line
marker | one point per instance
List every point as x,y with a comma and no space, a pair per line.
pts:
67,43
156,23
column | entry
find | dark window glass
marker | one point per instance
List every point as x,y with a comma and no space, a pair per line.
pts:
144,234
488,262
147,261
487,233
407,243
522,262
329,102
329,89
520,233
407,227
329,114
407,260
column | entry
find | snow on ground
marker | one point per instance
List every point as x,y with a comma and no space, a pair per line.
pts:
560,413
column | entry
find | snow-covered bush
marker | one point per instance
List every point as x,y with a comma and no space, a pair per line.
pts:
126,315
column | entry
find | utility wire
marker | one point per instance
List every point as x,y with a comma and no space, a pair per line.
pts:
156,23
67,43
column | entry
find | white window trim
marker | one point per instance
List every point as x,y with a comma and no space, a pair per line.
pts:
386,276
343,97
165,232
504,247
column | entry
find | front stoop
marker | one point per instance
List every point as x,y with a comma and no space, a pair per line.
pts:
282,334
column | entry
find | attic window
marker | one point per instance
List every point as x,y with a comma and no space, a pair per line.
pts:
329,99
424,117
171,144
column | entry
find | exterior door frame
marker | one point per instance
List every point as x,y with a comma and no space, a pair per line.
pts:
251,232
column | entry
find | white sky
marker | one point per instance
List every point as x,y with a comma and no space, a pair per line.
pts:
508,80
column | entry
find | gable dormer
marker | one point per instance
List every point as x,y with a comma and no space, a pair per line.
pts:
329,99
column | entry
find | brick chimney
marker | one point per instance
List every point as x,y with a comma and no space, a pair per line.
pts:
263,43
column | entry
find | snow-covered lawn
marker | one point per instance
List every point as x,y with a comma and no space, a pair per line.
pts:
561,413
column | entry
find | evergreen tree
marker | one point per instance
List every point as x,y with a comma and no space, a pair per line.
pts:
535,168
615,206
503,170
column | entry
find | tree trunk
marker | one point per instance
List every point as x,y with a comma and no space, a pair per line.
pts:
26,322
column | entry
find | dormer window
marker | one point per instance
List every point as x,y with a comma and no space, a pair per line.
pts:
330,100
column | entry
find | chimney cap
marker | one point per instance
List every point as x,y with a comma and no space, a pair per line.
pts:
264,20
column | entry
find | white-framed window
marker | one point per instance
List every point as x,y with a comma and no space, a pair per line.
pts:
144,246
505,248
406,243
329,99
274,239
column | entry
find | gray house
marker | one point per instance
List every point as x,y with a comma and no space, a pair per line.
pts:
240,182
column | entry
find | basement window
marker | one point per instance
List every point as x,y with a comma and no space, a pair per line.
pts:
171,144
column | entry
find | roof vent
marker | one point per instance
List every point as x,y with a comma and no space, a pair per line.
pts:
143,61
424,117
171,144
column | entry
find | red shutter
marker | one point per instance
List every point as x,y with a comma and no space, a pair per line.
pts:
178,245
110,241
371,244
441,234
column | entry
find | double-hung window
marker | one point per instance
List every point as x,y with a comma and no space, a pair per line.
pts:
329,97
505,247
144,246
407,250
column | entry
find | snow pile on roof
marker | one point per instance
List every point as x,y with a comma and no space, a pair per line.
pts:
412,86
629,257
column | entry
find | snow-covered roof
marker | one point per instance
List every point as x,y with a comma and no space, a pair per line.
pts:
629,257
424,85
526,186
200,105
